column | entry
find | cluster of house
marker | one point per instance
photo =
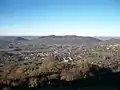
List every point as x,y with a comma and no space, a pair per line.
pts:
64,57
111,46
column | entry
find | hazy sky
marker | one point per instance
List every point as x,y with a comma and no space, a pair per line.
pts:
60,17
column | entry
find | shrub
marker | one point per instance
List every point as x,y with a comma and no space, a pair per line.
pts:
72,74
50,66
33,82
17,73
83,64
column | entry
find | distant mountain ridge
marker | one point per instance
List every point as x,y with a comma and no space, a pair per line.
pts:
112,41
13,38
5,41
67,39
104,38
53,39
21,39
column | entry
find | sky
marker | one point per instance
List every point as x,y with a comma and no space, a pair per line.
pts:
60,17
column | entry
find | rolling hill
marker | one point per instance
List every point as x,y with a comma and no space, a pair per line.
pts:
68,39
5,41
112,41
